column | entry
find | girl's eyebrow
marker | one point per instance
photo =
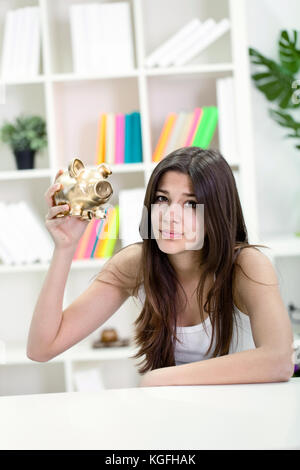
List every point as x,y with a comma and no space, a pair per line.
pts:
183,194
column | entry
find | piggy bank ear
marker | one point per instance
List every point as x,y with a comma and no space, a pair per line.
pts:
104,170
75,167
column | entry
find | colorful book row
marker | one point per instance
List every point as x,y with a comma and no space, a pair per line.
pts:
100,236
119,138
186,129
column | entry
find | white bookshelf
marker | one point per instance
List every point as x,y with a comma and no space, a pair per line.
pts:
71,104
80,357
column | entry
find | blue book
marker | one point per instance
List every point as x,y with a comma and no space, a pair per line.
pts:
98,233
137,151
128,138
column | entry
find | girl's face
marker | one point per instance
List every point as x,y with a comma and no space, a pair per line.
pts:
177,219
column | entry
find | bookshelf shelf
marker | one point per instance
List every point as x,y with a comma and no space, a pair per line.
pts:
126,167
43,267
25,174
211,69
16,353
192,69
70,77
71,104
24,81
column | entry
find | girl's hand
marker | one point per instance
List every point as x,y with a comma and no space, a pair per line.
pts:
65,231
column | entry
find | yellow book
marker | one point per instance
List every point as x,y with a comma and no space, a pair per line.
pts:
110,241
101,147
164,136
182,137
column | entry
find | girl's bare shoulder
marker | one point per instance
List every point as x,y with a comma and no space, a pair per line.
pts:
122,268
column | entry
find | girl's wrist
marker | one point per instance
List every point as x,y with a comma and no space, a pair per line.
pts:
65,251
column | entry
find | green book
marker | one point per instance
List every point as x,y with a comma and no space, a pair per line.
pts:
206,127
110,242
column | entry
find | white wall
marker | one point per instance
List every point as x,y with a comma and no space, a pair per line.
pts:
277,161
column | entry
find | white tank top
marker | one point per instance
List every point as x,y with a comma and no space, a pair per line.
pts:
195,341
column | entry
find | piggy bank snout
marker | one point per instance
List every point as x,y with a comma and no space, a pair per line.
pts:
103,189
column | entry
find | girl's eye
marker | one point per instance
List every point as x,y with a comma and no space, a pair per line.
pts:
191,202
194,204
157,198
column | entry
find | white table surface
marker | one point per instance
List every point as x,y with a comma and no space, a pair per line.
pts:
243,416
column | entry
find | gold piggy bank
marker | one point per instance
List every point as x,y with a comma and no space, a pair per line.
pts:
85,190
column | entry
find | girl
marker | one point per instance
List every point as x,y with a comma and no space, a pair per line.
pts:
206,292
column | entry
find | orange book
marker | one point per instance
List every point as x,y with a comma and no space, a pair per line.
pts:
164,137
101,147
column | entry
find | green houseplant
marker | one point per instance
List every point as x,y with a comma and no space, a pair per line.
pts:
278,81
25,136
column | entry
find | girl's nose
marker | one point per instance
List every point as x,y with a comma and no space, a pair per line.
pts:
173,213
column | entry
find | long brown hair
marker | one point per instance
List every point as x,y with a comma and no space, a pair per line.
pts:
226,234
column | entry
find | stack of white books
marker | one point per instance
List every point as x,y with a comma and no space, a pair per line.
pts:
21,44
187,43
101,37
227,120
24,238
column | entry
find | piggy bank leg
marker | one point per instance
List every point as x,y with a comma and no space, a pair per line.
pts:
76,210
86,215
100,214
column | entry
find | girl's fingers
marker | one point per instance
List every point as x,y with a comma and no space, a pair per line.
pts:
53,211
50,193
57,174
51,190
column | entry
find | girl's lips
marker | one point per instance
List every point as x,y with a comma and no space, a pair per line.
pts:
171,234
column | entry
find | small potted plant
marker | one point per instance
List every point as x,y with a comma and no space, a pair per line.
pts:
25,136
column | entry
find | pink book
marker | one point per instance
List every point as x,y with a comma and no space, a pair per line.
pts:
120,123
91,239
122,138
82,244
195,121
120,129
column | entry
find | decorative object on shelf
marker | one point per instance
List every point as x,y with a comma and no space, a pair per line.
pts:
278,81
25,136
109,338
187,43
186,129
84,189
